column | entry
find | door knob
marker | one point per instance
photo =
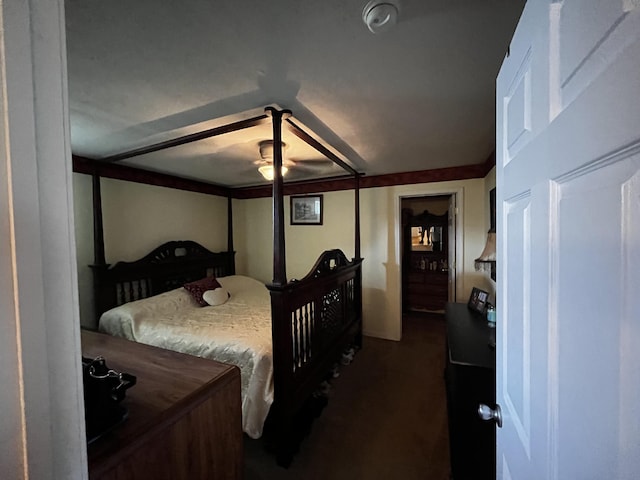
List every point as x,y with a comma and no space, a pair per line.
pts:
489,414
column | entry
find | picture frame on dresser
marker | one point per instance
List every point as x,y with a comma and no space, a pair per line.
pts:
478,300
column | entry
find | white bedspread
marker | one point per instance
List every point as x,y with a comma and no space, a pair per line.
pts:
237,332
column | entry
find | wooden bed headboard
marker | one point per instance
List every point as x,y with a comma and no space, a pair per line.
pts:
169,266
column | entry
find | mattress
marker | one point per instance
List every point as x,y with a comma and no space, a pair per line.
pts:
237,332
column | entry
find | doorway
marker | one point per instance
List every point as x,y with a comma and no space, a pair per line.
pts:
428,246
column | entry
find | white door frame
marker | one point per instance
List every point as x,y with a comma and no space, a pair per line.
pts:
458,196
42,426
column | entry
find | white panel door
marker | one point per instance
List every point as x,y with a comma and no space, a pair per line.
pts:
568,196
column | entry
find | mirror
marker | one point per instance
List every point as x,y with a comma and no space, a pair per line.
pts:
426,239
420,239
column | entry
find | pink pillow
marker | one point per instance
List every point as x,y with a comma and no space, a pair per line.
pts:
197,288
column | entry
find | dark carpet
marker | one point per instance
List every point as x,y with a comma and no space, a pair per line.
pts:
385,419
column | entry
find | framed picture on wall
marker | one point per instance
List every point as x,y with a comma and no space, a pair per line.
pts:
478,300
306,210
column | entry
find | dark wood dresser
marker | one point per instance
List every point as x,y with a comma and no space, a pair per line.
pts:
470,380
184,418
426,289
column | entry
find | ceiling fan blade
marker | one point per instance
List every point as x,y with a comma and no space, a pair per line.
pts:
315,161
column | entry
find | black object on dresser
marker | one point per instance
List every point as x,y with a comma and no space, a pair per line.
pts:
470,381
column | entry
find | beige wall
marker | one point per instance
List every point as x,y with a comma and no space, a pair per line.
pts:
380,220
381,249
253,238
137,218
304,243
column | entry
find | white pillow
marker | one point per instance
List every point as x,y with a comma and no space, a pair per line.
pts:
215,297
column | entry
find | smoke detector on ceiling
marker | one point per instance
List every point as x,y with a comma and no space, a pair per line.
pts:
380,16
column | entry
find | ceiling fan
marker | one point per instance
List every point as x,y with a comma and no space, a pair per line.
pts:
246,159
265,163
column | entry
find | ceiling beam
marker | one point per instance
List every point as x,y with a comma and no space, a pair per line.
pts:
304,136
193,137
136,175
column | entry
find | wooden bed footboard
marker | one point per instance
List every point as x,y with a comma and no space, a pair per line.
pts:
314,320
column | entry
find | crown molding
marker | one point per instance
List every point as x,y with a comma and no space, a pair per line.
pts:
136,175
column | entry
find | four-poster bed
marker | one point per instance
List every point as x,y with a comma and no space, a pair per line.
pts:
312,319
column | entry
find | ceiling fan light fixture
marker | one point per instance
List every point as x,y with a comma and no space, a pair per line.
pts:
268,173
380,16
266,153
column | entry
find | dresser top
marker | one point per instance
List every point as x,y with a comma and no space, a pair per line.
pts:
468,336
168,385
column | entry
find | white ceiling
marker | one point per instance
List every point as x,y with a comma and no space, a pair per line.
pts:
416,97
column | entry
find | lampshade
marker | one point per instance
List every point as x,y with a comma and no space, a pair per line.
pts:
486,262
267,171
489,252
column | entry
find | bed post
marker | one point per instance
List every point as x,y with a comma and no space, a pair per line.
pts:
232,266
357,214
358,258
279,262
101,296
98,234
280,329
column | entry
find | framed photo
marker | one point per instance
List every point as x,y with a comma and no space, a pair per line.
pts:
306,210
478,300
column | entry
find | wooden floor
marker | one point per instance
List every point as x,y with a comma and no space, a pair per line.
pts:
386,416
